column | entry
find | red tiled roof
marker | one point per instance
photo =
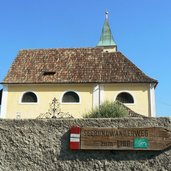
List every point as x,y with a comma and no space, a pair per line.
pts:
74,65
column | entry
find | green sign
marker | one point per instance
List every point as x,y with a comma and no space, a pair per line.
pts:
140,143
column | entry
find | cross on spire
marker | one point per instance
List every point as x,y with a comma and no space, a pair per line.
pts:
106,14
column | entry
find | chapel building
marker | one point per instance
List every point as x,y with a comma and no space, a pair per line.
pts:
79,79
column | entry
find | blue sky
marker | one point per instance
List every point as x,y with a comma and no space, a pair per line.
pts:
141,29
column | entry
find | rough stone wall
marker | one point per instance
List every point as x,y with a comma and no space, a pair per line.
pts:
41,145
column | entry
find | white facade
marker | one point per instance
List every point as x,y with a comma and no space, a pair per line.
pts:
4,101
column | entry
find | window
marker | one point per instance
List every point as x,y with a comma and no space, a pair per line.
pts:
49,73
70,97
29,97
125,98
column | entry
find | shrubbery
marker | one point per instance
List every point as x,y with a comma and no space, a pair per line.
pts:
108,110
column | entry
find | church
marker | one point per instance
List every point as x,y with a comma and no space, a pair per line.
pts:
78,79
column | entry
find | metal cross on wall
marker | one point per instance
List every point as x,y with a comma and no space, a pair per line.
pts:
54,111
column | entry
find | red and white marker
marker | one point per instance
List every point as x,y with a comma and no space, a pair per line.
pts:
75,138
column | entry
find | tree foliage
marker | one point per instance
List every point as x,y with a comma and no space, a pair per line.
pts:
107,110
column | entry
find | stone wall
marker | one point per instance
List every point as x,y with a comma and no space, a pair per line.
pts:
41,145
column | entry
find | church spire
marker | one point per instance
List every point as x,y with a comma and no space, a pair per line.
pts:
106,38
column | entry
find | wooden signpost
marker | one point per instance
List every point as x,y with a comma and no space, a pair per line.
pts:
153,138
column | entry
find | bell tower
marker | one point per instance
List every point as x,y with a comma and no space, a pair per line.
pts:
106,39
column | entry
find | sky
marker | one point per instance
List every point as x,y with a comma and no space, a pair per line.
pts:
141,29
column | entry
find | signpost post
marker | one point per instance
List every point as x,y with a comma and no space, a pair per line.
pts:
154,138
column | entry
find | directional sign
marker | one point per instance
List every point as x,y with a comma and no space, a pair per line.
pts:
153,138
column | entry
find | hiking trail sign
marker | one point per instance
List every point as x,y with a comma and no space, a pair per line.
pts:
147,138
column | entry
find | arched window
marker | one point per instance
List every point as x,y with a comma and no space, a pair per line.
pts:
125,98
70,97
29,97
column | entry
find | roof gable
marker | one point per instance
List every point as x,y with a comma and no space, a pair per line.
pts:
75,65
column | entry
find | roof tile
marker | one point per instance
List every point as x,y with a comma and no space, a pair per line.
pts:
74,65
